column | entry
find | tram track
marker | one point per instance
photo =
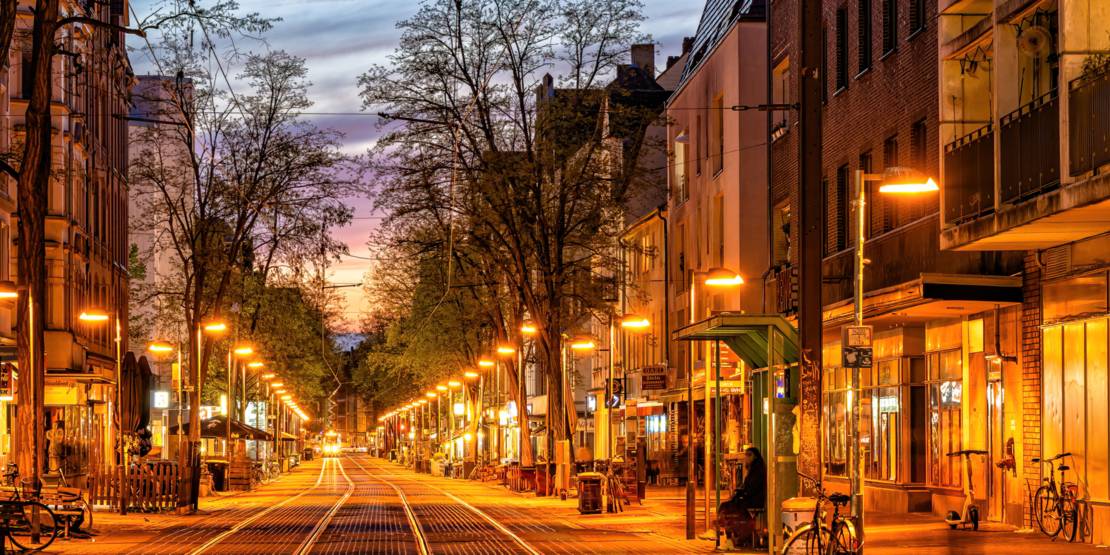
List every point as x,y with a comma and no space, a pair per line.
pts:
454,526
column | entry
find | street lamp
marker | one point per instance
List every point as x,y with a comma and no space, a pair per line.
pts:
893,180
717,278
8,290
528,328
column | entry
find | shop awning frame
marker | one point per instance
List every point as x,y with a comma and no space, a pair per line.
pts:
747,335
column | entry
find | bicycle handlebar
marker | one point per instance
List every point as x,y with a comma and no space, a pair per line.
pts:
968,452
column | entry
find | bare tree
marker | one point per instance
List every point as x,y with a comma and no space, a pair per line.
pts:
233,175
504,165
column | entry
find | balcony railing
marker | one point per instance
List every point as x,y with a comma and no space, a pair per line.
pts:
969,176
1089,122
1030,139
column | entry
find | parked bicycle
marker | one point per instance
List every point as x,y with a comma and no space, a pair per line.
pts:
1056,504
29,524
818,538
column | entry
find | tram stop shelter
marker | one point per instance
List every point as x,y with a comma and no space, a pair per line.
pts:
768,346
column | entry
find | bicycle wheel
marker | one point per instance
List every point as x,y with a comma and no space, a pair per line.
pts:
1046,509
808,541
1069,517
844,539
20,532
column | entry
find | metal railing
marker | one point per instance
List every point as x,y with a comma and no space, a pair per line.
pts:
1089,122
969,176
1030,138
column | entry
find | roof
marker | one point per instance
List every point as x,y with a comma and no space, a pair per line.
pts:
759,339
717,18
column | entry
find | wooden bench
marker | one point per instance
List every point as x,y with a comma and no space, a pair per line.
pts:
66,503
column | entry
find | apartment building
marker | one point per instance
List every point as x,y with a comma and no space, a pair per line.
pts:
1024,97
86,227
941,349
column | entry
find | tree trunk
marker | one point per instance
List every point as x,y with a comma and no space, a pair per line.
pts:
33,183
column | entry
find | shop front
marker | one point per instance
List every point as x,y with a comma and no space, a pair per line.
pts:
1075,388
944,353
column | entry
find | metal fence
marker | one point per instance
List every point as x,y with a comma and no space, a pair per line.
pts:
1030,139
969,176
1089,122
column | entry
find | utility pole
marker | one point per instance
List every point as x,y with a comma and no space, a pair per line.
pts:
811,219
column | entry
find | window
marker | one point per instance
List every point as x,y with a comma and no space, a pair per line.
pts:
717,133
890,25
917,16
780,95
945,369
781,233
845,237
697,145
825,65
864,32
718,248
837,384
26,71
880,419
680,187
874,199
920,205
841,48
886,209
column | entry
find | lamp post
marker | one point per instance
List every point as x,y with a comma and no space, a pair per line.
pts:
580,344
528,330
717,278
894,180
629,323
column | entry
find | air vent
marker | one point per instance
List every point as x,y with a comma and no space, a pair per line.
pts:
1056,262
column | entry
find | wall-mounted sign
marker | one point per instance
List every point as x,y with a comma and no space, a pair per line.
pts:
653,378
161,399
855,347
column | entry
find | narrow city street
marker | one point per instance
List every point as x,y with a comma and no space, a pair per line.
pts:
358,504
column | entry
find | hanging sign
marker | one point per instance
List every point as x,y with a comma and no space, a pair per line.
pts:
653,378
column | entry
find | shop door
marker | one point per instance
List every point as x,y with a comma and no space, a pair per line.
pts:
996,479
758,403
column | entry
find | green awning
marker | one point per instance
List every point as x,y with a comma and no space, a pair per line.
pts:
747,335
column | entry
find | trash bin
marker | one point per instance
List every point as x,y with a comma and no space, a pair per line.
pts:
797,511
589,493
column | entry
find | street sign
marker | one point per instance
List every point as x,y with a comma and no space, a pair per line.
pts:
615,392
856,347
653,378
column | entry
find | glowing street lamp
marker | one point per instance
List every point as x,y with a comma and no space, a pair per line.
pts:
529,328
243,350
93,316
431,394
486,363
506,350
454,384
634,322
214,326
160,347
256,364
8,290
441,387
723,277
582,343
269,376
901,180
471,375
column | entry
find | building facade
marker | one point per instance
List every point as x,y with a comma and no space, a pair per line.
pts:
1023,95
86,229
718,221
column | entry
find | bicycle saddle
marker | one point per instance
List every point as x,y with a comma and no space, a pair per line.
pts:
1035,459
1063,467
839,499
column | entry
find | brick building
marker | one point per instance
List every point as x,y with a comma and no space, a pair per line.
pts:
1024,95
934,311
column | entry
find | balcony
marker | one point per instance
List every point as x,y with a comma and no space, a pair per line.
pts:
1036,209
969,176
1030,139
1089,117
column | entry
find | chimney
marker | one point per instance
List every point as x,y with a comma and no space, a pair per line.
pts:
643,57
687,44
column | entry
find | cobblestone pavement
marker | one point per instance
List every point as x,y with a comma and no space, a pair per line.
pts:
358,504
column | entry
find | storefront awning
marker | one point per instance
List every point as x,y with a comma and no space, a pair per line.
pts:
748,335
930,297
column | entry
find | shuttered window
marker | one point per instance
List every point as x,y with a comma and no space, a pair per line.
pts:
863,28
917,15
890,25
841,48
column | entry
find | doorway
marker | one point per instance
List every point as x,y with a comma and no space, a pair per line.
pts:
996,476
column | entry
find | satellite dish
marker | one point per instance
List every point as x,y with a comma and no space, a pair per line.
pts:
1034,41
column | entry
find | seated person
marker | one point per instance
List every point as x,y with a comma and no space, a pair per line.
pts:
734,516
